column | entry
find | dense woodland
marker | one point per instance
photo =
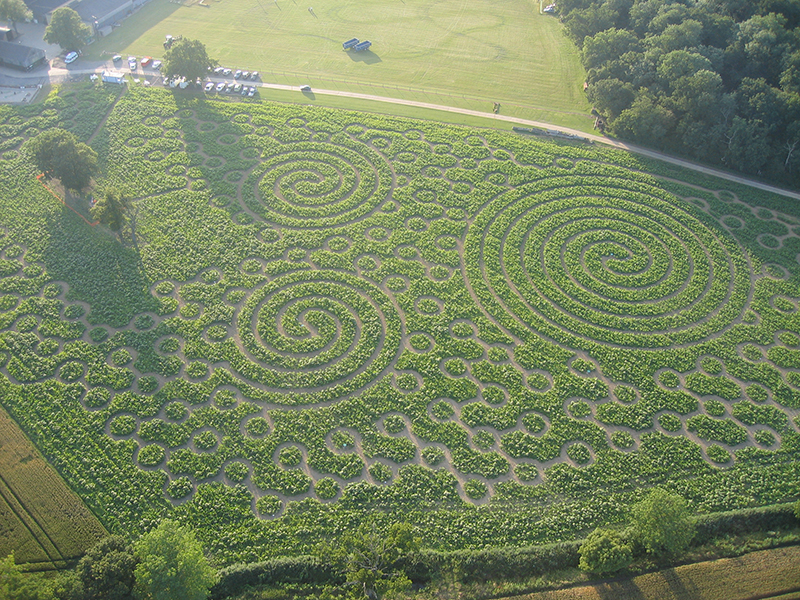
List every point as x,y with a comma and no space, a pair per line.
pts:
716,80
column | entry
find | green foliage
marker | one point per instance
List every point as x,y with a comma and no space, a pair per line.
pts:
268,505
186,58
67,30
111,209
151,455
326,488
350,293
16,584
369,559
14,10
433,455
661,522
171,565
605,551
106,571
475,489
58,153
622,439
380,472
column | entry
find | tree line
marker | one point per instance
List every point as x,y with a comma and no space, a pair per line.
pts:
715,80
367,562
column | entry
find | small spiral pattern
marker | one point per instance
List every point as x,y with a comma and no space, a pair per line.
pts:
317,331
321,184
620,263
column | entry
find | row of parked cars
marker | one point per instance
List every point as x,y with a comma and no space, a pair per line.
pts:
238,74
132,62
230,88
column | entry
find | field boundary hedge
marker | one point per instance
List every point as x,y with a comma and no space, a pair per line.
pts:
475,566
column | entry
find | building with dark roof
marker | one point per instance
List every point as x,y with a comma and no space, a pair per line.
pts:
21,57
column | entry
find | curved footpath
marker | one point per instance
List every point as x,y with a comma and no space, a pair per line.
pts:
57,73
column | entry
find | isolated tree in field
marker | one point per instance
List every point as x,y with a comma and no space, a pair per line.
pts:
111,210
370,558
662,522
67,30
604,551
187,58
14,11
171,565
58,153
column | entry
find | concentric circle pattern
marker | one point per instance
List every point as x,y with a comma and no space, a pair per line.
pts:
321,184
618,263
321,330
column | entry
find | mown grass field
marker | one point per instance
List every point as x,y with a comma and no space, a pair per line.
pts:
328,316
449,52
41,520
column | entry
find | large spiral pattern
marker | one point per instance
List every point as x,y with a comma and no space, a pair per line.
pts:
307,332
321,184
619,263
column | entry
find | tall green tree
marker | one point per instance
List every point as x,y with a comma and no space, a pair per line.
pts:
662,523
18,585
14,11
112,209
171,565
187,58
106,572
67,30
605,551
58,153
370,558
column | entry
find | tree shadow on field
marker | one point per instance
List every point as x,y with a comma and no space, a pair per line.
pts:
97,268
653,586
366,56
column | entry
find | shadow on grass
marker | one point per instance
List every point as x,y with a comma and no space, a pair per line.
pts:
365,56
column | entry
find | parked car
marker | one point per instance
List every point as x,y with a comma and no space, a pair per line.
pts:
254,75
146,61
245,74
237,89
227,72
252,91
220,86
71,57
116,58
244,90
229,88
219,70
156,64
209,86
237,74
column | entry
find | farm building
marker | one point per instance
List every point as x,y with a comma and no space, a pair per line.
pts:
21,57
98,14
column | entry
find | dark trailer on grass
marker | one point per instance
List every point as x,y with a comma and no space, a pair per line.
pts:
21,57
361,46
350,43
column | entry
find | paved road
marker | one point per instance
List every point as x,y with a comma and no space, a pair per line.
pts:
61,74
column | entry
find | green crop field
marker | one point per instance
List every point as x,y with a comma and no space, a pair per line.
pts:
41,519
450,52
327,314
